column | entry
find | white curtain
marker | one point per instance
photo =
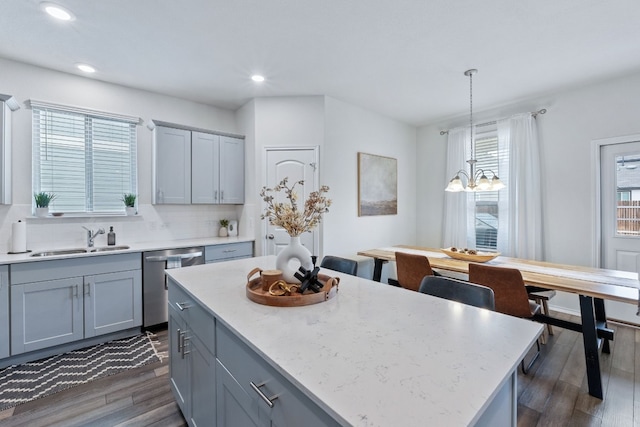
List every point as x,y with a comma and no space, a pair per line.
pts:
458,207
520,213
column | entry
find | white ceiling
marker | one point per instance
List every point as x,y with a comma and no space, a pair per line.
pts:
402,58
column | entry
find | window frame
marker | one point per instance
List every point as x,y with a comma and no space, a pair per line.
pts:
109,131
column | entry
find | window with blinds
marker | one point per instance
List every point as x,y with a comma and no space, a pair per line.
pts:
486,220
87,159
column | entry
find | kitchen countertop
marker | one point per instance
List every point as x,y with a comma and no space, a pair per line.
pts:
6,258
374,355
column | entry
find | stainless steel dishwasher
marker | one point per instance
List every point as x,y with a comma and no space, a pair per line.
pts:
154,281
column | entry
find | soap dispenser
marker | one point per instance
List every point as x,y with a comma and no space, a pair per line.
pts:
111,237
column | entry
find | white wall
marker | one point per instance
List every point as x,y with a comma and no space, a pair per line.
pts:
26,82
574,118
340,130
349,130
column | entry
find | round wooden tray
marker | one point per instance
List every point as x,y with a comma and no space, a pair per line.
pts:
256,294
480,257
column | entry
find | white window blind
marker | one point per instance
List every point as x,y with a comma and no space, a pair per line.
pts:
86,158
486,221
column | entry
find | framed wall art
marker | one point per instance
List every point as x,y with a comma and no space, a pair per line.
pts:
377,185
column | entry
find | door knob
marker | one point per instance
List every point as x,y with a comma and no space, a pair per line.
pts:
270,237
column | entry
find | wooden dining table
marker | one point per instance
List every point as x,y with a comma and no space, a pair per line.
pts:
592,285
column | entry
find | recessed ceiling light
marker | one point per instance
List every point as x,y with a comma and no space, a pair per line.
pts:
86,68
257,78
57,11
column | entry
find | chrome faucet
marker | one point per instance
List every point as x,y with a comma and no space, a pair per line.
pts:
92,235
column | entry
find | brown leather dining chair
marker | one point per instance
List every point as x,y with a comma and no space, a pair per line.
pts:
510,294
412,269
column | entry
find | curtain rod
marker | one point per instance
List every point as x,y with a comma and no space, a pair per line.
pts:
533,113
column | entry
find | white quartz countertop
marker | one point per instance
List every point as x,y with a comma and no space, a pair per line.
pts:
374,355
6,258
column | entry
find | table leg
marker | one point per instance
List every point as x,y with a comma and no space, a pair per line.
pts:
590,341
377,268
601,319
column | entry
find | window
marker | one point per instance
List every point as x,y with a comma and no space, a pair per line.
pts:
486,203
86,158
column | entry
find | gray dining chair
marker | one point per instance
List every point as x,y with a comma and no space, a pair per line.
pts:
343,265
458,290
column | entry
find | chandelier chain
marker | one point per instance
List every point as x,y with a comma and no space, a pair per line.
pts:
471,114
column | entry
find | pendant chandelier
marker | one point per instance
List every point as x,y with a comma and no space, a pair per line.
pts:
476,179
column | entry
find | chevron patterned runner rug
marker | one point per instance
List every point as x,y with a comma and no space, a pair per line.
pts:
33,380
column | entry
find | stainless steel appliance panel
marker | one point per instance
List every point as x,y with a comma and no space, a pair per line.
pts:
154,280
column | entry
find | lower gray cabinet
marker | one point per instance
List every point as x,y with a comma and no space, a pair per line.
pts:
218,380
192,366
60,301
45,314
228,252
112,302
235,407
253,390
4,311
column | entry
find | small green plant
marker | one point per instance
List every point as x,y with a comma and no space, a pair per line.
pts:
43,199
224,223
129,200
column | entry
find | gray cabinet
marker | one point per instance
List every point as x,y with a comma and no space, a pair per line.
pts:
4,311
228,252
172,166
216,376
58,302
112,302
5,149
194,167
191,358
217,175
45,314
231,170
264,395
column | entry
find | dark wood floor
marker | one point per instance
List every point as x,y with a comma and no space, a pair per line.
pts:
553,394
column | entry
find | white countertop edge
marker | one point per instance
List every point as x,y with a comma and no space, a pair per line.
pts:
6,258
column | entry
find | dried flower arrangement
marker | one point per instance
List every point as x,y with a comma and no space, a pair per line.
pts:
288,216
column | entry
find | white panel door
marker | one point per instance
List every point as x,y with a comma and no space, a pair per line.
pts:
620,215
297,165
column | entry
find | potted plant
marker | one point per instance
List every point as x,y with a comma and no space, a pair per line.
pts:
42,200
223,232
129,200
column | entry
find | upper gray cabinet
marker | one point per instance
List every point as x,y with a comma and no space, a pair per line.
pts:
172,166
195,167
7,104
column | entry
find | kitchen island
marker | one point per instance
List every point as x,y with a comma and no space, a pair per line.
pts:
374,355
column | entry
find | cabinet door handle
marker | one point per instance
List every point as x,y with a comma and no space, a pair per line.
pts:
215,195
182,306
179,339
222,195
74,290
87,288
267,400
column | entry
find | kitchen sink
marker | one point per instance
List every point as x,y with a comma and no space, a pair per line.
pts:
109,248
79,251
59,252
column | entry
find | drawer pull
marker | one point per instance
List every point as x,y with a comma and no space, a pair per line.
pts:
179,340
226,251
256,388
182,306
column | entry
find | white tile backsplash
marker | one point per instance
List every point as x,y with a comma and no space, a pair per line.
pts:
153,223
